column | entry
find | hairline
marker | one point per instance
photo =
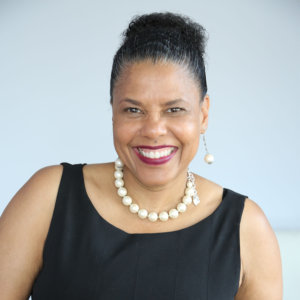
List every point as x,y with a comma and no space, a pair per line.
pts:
183,62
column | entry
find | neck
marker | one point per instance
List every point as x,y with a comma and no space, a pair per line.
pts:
155,198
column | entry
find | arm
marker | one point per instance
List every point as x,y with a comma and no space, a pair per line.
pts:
260,255
24,225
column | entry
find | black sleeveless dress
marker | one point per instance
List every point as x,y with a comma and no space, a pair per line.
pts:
86,257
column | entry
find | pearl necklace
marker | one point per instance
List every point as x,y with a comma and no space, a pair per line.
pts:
190,195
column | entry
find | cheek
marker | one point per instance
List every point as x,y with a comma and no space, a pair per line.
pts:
188,135
187,132
124,131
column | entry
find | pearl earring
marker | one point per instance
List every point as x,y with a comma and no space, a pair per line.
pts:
208,158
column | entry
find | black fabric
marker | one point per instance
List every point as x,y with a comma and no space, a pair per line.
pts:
86,257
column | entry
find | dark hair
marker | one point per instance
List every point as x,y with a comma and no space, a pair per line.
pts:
162,36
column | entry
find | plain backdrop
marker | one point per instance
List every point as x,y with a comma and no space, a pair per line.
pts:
55,64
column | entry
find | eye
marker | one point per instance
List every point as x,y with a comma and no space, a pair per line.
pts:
133,110
175,109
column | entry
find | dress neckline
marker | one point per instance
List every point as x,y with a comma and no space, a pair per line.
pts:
123,232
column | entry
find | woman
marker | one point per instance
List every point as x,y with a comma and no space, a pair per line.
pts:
143,227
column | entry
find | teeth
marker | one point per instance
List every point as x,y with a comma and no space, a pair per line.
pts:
157,153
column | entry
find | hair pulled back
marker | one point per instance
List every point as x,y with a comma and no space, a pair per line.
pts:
162,37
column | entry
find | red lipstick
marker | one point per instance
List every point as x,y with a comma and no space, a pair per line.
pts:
154,161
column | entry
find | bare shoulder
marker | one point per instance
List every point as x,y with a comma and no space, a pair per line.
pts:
260,256
98,177
24,225
95,171
211,189
41,187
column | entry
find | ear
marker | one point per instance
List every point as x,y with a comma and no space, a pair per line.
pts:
204,112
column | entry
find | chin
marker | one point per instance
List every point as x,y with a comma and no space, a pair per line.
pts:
154,178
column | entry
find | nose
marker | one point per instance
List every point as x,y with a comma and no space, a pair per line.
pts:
154,126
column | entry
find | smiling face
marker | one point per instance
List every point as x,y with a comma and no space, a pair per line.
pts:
157,120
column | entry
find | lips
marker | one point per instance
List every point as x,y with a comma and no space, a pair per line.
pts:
155,155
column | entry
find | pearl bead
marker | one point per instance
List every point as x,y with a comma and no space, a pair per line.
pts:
163,216
143,213
122,191
127,200
189,191
134,208
173,213
118,163
153,216
181,207
189,184
209,158
119,182
189,197
118,174
187,200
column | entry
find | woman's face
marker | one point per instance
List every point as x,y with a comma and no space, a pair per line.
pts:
157,120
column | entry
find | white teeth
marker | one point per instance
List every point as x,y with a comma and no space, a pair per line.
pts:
156,154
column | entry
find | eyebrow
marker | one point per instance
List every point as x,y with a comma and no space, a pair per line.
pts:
134,102
169,103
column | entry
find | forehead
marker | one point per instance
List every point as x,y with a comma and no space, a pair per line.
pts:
160,81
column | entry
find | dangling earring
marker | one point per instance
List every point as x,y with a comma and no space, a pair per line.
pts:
208,158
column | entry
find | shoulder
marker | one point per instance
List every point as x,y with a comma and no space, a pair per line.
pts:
99,175
255,227
210,190
41,188
38,189
260,256
23,228
101,168
35,200
48,174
